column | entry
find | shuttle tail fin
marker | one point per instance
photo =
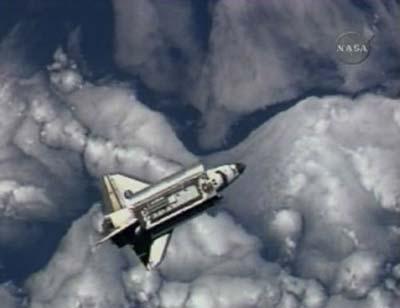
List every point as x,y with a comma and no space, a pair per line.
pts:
112,202
117,189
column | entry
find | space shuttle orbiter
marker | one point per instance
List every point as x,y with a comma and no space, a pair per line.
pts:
143,215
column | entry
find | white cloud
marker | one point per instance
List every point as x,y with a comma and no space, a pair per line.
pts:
10,296
212,263
287,48
377,298
79,275
55,143
302,191
332,160
117,120
321,183
379,173
258,53
155,40
358,274
285,229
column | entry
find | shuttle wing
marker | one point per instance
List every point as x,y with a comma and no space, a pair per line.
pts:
116,231
117,189
151,253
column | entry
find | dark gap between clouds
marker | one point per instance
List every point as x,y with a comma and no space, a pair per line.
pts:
186,120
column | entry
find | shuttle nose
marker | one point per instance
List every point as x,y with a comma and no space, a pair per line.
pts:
240,167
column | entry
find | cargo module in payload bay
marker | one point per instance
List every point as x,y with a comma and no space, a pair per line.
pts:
143,215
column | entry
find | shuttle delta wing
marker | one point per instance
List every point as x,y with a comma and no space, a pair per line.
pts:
117,189
152,252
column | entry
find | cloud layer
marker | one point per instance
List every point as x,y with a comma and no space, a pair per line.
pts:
311,224
57,135
319,190
311,196
212,262
258,53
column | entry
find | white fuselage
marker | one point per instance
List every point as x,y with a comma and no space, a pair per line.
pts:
174,195
143,215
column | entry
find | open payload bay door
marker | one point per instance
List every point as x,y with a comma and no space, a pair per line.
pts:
117,189
152,252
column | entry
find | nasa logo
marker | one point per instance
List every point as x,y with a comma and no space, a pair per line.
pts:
352,47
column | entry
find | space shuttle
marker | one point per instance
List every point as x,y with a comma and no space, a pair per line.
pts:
143,215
